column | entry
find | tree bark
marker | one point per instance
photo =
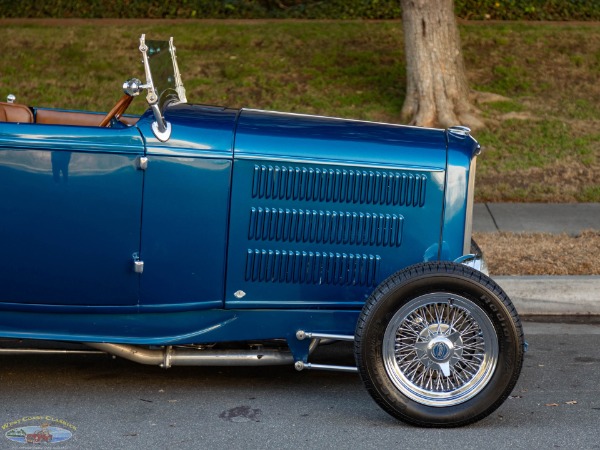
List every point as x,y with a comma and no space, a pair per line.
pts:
437,93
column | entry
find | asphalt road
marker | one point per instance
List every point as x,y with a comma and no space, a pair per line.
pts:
115,404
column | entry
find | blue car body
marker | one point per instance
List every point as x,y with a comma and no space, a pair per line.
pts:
304,215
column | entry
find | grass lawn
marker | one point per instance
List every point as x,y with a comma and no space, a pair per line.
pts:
542,142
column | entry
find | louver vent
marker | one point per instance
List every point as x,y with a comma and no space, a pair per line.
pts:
311,267
325,227
336,185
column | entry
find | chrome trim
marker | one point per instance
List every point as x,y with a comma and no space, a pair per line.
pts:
459,131
337,118
469,208
334,162
10,98
474,259
151,97
133,87
167,357
142,162
161,135
38,351
160,128
138,265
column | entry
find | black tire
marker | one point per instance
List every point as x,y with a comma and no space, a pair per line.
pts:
439,345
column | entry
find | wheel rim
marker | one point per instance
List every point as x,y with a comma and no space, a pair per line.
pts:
440,349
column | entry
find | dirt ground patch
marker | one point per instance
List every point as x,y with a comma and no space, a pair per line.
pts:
541,253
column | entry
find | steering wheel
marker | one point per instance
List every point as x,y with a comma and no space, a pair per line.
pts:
117,110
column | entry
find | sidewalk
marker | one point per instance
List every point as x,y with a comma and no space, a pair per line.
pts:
545,295
569,218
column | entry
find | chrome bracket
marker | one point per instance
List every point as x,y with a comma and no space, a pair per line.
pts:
459,131
161,135
474,261
301,335
10,98
166,364
301,365
141,162
151,96
138,265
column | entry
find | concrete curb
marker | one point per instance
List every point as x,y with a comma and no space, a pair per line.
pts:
553,295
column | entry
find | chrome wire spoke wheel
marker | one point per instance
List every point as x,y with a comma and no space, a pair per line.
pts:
440,349
439,344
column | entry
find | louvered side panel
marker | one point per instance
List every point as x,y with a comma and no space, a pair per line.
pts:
319,235
281,266
276,182
325,227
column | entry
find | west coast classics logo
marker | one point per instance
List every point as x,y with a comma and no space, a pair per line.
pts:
38,429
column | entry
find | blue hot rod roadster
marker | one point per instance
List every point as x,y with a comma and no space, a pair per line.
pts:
168,237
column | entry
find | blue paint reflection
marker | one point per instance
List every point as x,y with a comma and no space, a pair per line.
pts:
60,164
69,219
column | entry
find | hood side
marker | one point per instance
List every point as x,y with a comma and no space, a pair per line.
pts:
274,135
324,209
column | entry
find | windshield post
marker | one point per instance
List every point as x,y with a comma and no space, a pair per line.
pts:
160,127
178,83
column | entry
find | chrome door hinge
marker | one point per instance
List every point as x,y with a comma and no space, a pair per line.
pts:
141,162
138,264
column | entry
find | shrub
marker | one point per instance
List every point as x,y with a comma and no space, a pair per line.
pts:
293,9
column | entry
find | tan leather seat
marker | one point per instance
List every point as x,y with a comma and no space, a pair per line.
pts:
13,112
50,116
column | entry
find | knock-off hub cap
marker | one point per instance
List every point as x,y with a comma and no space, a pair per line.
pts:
437,350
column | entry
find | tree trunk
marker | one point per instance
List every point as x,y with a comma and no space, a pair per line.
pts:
437,93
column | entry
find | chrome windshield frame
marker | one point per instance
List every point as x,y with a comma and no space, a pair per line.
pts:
178,83
160,127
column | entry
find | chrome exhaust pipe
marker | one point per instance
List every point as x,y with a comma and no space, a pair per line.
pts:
46,351
168,356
